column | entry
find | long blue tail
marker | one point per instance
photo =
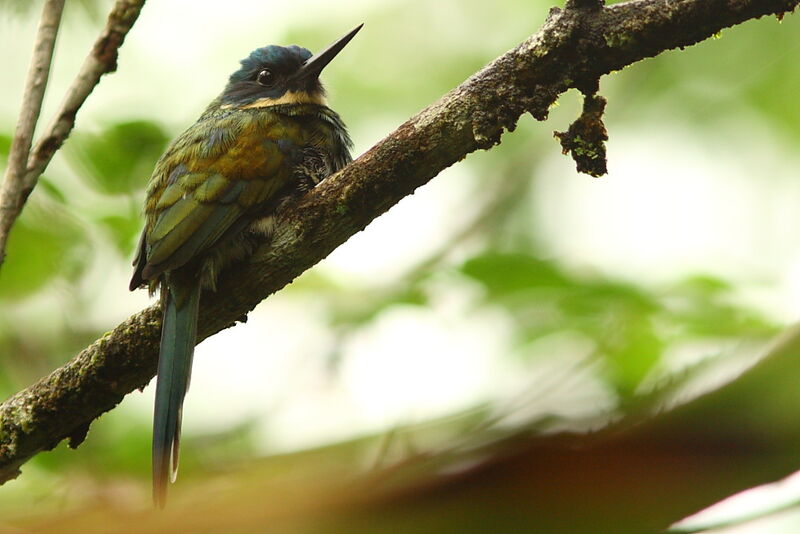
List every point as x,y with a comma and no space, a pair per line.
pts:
178,337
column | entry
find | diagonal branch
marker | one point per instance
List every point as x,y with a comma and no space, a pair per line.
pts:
572,50
11,192
25,168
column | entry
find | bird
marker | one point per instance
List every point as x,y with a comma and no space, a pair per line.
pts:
213,196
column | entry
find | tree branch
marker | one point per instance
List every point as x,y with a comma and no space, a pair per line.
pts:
572,50
12,191
24,169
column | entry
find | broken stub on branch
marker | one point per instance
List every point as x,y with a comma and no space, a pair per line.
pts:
585,139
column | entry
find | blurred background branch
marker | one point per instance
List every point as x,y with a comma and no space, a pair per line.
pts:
13,191
25,166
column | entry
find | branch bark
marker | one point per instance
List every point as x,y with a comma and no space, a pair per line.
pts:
574,48
26,166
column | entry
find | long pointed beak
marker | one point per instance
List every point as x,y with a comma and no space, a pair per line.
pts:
313,67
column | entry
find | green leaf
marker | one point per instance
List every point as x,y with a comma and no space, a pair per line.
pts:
703,286
631,348
703,306
503,273
120,159
590,298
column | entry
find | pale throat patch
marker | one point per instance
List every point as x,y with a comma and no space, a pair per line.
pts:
289,97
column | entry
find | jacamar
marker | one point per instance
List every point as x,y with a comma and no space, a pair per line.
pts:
213,195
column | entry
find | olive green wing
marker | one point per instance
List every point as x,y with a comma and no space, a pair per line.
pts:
212,181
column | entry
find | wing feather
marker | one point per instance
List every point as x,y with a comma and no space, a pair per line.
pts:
207,183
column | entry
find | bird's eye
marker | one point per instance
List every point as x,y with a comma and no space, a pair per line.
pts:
266,78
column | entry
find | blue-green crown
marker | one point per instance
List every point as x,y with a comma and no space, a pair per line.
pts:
284,59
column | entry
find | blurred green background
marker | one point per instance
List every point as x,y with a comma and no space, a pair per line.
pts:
509,287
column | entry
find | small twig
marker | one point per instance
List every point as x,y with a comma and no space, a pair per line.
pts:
13,192
30,165
101,60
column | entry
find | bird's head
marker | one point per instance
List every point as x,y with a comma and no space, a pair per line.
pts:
275,75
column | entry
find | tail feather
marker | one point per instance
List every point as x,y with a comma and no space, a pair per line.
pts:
178,336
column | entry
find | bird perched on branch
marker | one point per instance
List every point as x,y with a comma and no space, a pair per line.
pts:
212,196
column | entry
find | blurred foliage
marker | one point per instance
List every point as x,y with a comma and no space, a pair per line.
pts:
42,246
114,160
5,144
718,86
46,242
630,327
84,218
